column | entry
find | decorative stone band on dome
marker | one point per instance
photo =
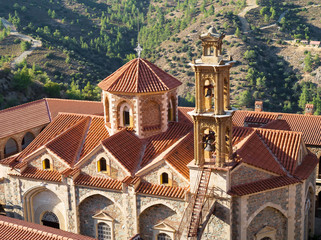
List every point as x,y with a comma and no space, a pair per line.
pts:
139,76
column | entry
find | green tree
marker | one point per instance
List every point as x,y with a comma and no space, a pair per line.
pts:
308,62
246,99
21,79
303,97
25,45
52,89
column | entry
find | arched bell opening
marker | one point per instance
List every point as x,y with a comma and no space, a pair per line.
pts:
209,145
209,96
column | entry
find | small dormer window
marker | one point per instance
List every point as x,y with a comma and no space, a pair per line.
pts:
46,164
164,178
126,118
102,165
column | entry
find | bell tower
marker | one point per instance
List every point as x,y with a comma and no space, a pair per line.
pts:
213,114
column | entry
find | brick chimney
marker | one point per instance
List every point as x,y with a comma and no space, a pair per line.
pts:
258,106
309,109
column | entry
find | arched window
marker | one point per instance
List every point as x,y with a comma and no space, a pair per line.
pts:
46,164
107,108
27,139
266,238
163,236
10,148
126,118
164,178
50,219
102,165
104,231
171,110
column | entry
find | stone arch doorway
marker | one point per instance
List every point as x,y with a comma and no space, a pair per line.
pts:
50,219
42,204
93,206
154,215
269,218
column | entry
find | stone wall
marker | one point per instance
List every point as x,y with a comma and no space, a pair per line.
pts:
268,217
298,211
236,218
245,174
57,164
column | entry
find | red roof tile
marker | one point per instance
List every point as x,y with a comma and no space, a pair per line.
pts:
238,118
306,167
159,143
260,117
99,182
285,146
47,175
161,190
183,116
182,154
139,76
239,133
125,147
67,145
15,229
278,124
23,117
262,185
254,152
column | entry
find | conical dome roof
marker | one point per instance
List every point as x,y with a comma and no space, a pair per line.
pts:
139,76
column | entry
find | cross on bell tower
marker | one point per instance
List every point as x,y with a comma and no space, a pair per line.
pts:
212,115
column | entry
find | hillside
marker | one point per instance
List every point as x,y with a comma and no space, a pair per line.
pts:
84,41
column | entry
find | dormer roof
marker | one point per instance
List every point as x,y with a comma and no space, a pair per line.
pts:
139,76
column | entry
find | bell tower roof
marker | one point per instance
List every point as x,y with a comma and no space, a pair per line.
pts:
139,76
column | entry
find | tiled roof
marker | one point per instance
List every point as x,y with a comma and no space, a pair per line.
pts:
278,124
239,133
260,117
161,190
126,147
25,116
306,167
183,116
139,76
41,112
285,146
238,118
47,175
99,182
15,229
56,105
262,185
159,143
181,155
255,152
67,145
70,136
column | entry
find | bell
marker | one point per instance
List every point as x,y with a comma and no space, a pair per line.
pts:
208,93
209,146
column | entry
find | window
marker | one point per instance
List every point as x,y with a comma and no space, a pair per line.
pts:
170,111
163,236
50,219
10,148
126,119
46,164
104,231
102,165
164,178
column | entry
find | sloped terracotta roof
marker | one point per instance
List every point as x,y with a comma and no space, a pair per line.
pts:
278,124
239,133
99,182
306,167
159,143
35,173
238,118
260,117
15,229
139,76
23,117
126,147
285,146
182,154
262,185
254,152
68,144
56,105
183,116
161,190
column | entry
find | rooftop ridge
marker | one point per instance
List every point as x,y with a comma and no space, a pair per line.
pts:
162,82
71,100
80,114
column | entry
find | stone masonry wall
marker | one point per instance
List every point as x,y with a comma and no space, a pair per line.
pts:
58,165
244,174
236,218
154,178
298,212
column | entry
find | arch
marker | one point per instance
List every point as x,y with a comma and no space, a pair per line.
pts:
164,178
158,202
27,139
93,205
50,219
172,109
163,236
11,147
46,164
269,204
102,165
154,215
125,115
